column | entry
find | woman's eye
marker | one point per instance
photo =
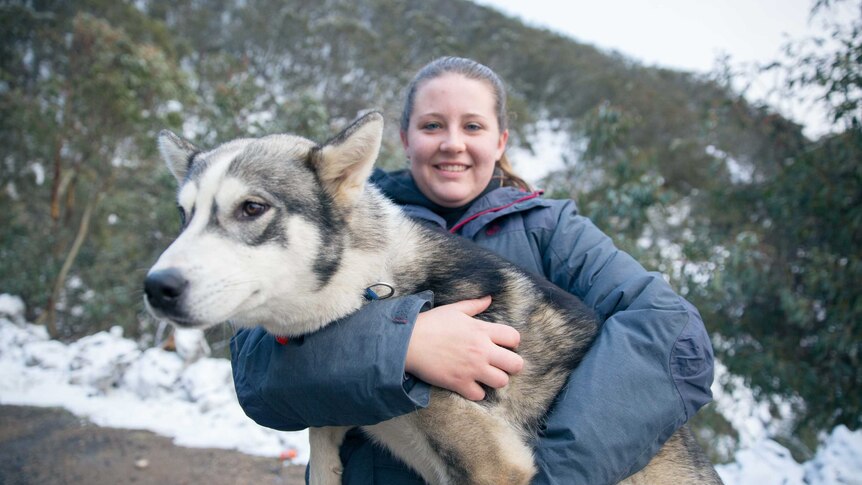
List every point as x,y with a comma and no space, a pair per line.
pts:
473,127
431,126
252,209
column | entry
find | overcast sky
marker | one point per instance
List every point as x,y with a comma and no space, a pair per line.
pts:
683,34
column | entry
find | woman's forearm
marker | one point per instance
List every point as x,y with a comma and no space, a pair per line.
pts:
349,373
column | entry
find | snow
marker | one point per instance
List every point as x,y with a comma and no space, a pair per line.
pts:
752,419
761,460
765,463
550,146
189,397
112,382
838,461
740,173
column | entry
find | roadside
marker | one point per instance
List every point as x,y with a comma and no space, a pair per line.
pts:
52,446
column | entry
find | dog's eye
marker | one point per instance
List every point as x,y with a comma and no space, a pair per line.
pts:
182,216
253,209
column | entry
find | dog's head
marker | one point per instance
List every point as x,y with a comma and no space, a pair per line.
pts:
261,220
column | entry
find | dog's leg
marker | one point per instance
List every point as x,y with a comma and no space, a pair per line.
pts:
477,447
457,442
326,467
680,460
404,438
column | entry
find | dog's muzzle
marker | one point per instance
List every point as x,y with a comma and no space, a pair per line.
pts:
164,290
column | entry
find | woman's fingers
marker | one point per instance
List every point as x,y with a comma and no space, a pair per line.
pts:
506,361
471,308
494,377
503,335
471,391
451,349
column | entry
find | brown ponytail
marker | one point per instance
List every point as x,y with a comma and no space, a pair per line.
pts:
509,178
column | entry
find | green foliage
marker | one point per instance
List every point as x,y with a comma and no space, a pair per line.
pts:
784,293
832,66
80,102
768,247
617,182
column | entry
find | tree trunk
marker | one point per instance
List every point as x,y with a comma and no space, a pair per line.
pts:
55,184
50,315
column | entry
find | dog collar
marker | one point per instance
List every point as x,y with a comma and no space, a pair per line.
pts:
379,291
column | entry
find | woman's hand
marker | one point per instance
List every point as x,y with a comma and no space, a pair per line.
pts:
451,349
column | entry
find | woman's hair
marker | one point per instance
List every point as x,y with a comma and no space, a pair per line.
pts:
471,70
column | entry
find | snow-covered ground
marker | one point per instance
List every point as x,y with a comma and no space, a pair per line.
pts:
190,397
111,381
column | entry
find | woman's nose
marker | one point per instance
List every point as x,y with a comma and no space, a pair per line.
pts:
453,142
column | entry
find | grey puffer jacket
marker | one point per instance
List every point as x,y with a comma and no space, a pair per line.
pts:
648,372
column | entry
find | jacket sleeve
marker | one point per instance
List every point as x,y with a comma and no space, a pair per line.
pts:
349,373
648,371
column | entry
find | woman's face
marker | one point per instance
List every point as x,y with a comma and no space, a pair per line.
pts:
453,139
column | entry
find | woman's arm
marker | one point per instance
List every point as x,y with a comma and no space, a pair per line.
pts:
351,372
649,370
359,370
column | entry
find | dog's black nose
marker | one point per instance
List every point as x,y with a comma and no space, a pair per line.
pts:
164,289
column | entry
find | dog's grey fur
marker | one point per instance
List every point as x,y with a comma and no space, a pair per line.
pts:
284,233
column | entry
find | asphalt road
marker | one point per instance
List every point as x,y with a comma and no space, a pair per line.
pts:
48,446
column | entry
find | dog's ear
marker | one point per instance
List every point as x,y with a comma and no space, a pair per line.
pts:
177,153
344,163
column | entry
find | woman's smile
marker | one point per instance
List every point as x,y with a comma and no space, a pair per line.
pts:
449,167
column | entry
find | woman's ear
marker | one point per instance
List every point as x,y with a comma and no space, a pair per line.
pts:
501,143
406,145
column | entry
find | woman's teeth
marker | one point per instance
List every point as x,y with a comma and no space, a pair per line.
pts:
452,168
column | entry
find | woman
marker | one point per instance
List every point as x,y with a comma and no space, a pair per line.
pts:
649,370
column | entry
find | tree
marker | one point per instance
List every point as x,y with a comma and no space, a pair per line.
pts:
616,182
80,104
784,296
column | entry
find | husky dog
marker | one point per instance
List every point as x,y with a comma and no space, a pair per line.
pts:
287,234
